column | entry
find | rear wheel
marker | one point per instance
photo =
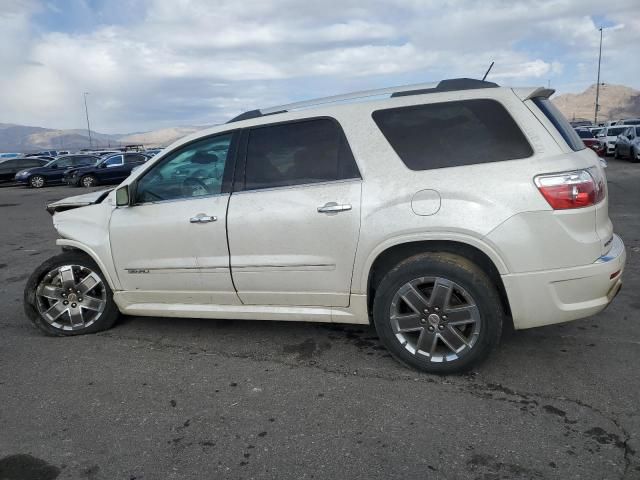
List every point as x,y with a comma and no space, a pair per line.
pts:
438,312
633,155
37,181
88,181
616,153
68,295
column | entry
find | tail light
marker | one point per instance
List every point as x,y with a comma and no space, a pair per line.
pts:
577,189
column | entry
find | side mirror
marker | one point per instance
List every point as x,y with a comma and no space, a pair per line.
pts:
122,196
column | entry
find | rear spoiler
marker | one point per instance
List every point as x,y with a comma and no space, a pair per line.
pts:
530,93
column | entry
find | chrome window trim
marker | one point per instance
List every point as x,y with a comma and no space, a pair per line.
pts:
181,199
289,187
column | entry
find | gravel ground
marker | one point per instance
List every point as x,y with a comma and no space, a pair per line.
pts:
158,398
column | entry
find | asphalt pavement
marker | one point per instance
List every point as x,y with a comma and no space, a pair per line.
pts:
160,398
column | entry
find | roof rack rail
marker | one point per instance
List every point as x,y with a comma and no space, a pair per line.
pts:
401,91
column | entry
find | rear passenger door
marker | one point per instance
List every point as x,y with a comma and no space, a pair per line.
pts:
294,216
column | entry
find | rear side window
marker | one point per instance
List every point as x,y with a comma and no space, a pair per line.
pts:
452,134
560,122
298,153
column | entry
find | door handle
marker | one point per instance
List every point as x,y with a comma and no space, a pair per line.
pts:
202,218
333,207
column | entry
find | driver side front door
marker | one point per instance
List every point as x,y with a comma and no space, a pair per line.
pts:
170,246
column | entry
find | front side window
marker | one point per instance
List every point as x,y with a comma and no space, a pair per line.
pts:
451,134
298,153
112,161
64,162
194,170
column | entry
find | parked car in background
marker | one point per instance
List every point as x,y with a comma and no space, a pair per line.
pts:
153,151
109,170
609,135
9,155
589,139
628,144
104,153
269,217
629,121
10,166
53,172
44,153
596,130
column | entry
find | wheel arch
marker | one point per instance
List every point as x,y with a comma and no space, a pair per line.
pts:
385,259
77,246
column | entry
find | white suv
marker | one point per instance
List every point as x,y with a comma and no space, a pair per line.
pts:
436,212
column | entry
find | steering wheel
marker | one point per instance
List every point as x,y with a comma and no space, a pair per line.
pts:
193,187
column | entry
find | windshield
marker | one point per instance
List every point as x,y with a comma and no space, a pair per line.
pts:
585,133
615,131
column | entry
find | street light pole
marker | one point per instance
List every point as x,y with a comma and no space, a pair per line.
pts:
86,111
595,116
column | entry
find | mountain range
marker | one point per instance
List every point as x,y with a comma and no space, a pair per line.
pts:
616,101
21,138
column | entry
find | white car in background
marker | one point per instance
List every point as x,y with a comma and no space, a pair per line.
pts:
609,135
438,214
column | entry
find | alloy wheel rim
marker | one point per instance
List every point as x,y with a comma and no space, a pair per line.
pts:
87,182
37,181
435,319
71,297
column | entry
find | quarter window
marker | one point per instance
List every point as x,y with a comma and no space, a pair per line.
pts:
452,134
558,120
194,170
298,153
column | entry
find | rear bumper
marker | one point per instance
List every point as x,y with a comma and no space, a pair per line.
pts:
556,296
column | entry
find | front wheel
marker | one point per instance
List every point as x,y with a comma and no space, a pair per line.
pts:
37,181
88,181
69,295
438,312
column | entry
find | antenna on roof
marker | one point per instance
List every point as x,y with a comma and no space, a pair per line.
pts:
488,70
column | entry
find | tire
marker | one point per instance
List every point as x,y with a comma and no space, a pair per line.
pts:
37,181
474,310
88,181
616,153
633,156
48,289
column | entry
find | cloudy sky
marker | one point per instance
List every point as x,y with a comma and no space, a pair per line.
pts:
150,64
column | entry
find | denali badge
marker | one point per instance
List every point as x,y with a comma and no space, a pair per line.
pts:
137,270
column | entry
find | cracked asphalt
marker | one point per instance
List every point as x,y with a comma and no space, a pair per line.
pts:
158,398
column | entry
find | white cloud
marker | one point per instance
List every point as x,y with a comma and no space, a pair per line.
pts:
196,62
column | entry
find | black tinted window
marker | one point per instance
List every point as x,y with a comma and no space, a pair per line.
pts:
584,134
560,122
298,153
451,134
133,158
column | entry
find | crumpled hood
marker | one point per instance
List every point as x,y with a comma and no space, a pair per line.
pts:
78,201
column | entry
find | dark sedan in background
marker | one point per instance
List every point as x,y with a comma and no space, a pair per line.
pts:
10,166
110,170
53,172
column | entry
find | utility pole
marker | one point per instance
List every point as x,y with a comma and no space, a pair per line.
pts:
595,116
86,111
